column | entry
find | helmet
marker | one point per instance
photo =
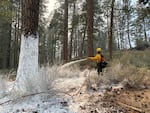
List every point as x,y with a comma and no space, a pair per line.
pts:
98,49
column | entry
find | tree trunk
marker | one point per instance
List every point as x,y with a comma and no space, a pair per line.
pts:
118,40
16,36
90,20
28,59
65,46
145,35
72,30
15,48
128,29
54,47
18,42
83,40
111,30
9,48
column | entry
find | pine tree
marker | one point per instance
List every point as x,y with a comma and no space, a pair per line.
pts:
28,60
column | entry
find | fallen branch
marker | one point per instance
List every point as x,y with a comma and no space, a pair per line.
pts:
78,91
6,102
32,94
131,107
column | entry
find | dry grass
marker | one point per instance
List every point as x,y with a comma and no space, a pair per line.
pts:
93,80
132,67
41,83
46,77
69,72
45,80
2,87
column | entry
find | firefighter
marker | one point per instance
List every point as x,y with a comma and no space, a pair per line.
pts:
99,59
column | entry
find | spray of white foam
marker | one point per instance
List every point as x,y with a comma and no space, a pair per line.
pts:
28,62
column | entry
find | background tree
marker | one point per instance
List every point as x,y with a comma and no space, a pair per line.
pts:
90,20
65,46
111,30
127,10
6,14
73,23
43,51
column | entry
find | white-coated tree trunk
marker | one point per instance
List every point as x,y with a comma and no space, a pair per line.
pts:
28,64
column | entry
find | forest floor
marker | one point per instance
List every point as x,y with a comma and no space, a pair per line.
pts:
107,99
71,95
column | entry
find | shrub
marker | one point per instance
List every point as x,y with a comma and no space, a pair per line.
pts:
42,82
46,77
132,67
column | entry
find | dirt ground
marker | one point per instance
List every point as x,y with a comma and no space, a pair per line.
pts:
134,101
118,101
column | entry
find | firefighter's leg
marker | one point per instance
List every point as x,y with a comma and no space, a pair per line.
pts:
99,69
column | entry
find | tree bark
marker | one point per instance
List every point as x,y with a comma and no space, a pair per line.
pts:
90,20
9,48
17,35
30,16
72,30
128,28
65,43
145,35
83,41
111,30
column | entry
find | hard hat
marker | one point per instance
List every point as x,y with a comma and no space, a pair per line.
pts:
98,49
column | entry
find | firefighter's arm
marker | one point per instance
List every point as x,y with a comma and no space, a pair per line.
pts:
93,58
